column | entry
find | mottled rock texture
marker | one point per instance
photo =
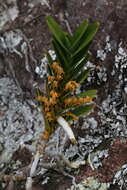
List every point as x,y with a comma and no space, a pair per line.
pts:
24,37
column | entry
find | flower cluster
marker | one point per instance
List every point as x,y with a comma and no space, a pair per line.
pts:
49,104
58,75
52,104
73,101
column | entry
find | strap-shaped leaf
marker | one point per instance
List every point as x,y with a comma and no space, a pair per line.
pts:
57,31
79,33
79,66
68,40
90,93
83,110
82,76
50,71
80,55
61,54
87,37
50,60
47,125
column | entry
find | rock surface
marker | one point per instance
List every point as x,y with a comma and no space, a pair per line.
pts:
24,37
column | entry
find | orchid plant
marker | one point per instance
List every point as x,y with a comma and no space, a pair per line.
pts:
61,103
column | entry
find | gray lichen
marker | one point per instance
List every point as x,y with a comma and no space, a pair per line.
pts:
91,184
20,120
8,14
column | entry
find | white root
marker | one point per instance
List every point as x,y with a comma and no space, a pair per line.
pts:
29,183
32,172
64,124
34,165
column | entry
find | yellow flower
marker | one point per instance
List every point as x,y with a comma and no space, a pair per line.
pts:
71,85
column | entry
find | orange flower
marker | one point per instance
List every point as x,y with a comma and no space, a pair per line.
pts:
42,99
77,101
51,78
39,98
59,77
74,117
57,69
55,84
73,101
50,116
71,85
87,99
46,108
54,94
45,135
52,101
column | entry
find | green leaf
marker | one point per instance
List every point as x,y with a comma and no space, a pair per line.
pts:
82,76
50,60
47,125
87,37
79,33
68,39
82,110
80,55
61,54
57,31
50,71
75,70
90,93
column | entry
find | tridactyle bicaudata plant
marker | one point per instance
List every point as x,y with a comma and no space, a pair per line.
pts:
61,103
